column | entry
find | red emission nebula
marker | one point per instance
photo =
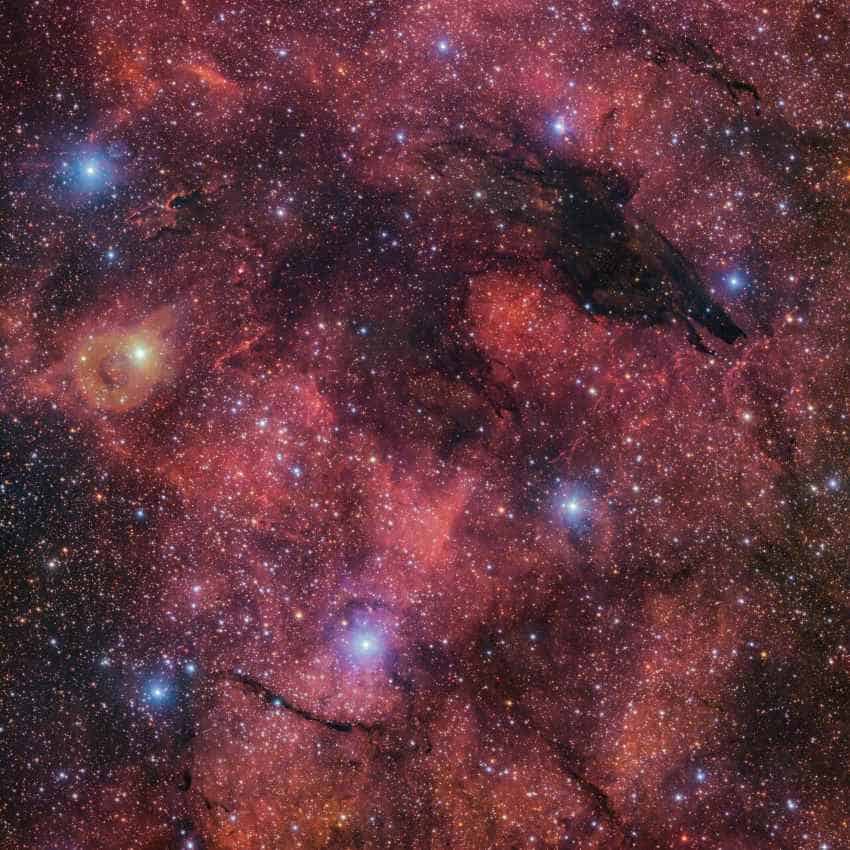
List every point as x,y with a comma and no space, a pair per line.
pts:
425,425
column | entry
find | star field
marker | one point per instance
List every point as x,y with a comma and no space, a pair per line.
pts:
425,425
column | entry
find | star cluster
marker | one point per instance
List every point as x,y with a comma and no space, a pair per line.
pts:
425,425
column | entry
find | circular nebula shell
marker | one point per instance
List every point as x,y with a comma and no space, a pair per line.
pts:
425,425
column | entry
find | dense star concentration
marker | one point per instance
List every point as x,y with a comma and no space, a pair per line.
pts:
425,425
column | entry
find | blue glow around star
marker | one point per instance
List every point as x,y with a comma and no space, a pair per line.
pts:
88,172
573,507
157,693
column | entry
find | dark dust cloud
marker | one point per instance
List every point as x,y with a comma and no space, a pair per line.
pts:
425,425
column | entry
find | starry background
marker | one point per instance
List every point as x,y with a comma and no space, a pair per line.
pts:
424,425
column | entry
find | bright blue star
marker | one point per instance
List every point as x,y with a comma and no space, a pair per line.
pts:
157,693
93,173
88,171
364,643
736,281
573,507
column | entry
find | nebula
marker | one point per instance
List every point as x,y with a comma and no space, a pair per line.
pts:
425,426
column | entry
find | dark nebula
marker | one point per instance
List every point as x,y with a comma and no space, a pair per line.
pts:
425,426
